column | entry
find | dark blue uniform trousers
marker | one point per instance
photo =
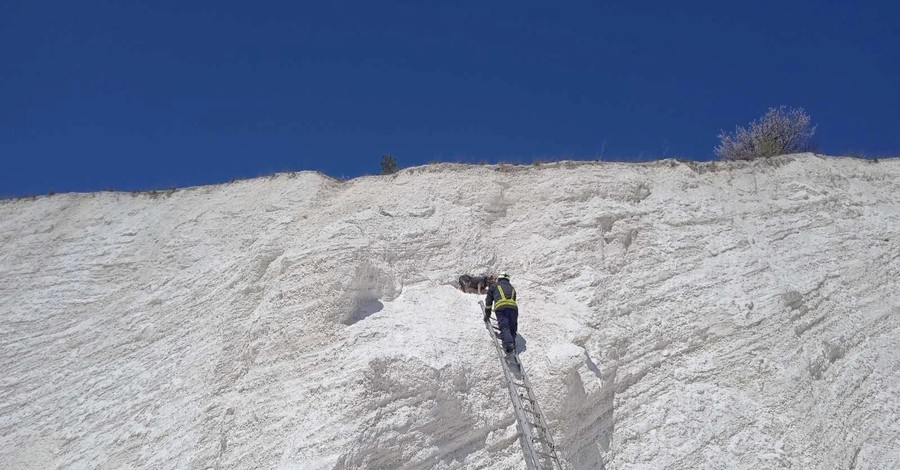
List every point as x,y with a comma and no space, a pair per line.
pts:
508,321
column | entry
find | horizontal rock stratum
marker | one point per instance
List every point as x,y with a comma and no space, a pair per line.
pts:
675,315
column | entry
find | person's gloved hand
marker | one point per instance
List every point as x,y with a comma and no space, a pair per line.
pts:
487,314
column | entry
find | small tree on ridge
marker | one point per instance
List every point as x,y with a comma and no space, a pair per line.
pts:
388,165
780,131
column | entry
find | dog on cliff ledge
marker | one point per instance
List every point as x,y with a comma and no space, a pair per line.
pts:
476,284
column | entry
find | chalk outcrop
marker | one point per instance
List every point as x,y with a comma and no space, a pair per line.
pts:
675,315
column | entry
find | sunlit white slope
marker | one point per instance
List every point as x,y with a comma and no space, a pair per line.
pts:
674,315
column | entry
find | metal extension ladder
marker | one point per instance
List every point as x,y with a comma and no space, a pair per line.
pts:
537,444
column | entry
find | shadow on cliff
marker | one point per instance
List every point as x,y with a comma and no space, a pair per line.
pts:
589,418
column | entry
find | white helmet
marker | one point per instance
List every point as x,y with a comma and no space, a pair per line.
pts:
503,275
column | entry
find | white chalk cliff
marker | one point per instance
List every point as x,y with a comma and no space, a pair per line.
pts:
675,315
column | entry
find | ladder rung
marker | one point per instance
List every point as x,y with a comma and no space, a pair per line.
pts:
538,426
550,449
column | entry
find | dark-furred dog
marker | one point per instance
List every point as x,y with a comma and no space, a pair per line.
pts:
475,284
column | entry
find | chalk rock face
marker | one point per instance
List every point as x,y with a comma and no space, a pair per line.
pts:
673,315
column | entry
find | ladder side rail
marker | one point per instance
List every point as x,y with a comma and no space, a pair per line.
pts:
538,412
528,440
545,433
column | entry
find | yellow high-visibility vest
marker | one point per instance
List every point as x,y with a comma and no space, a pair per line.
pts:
505,302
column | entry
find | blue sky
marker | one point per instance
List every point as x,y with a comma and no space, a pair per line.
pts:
156,94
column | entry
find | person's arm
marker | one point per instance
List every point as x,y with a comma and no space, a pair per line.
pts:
488,303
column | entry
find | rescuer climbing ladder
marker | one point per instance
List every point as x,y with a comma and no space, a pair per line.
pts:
537,444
